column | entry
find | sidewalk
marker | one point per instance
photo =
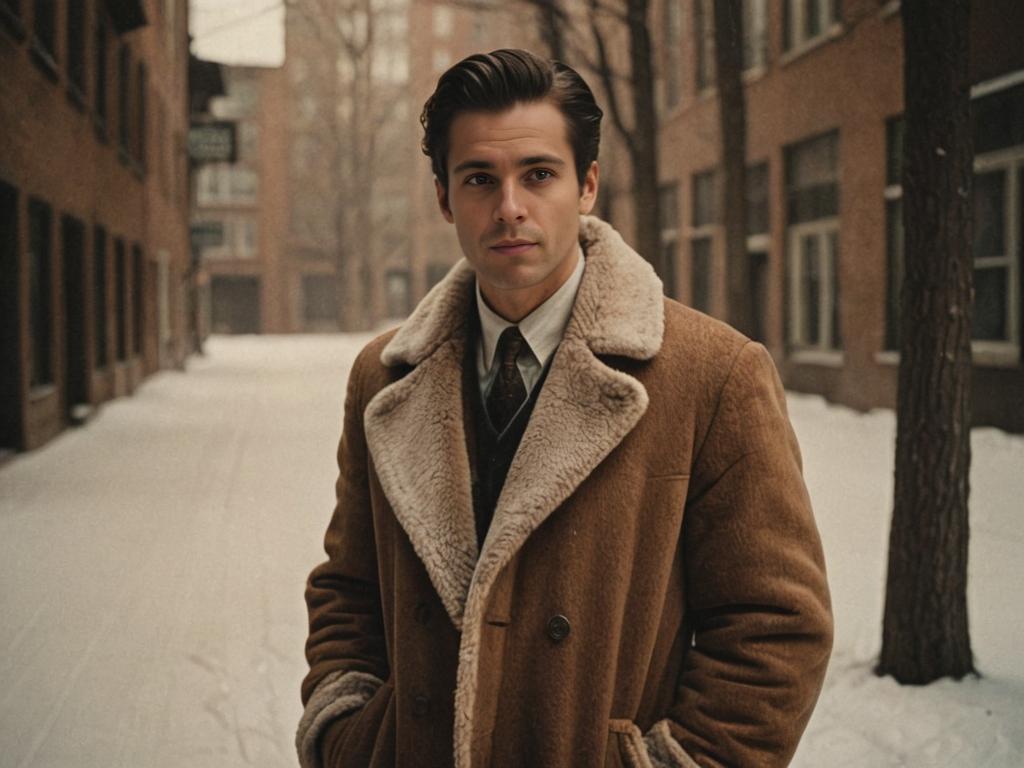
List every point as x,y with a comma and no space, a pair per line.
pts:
153,564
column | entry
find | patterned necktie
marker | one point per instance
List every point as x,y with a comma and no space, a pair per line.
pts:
508,390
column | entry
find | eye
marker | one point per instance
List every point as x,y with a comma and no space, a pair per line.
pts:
477,179
541,174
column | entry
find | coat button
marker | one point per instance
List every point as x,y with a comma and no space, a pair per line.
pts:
558,628
422,613
420,705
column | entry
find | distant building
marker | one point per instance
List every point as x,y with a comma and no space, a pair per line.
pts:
94,248
354,267
824,88
241,207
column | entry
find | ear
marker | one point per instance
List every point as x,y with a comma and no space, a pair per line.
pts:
442,201
588,192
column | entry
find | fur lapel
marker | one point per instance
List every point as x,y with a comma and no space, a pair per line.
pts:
415,433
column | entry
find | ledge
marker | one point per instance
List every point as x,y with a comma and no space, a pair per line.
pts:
832,33
829,358
43,59
41,392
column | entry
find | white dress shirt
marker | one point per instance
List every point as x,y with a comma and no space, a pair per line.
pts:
543,329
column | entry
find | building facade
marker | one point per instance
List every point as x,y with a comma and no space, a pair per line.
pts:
245,286
93,205
824,96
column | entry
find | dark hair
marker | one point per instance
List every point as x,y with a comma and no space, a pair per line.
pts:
495,81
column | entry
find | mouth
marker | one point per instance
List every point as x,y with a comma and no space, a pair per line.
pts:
512,247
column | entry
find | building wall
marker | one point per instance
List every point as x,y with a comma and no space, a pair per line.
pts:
59,151
848,81
249,199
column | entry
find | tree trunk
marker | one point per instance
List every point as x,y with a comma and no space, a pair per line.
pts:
925,630
732,119
552,28
644,147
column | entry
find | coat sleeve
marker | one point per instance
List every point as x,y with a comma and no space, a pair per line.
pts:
346,645
757,598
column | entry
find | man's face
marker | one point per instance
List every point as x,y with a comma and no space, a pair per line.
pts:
512,179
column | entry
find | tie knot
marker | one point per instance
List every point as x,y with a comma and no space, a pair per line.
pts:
510,344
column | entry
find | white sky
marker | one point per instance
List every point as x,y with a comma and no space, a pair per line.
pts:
238,31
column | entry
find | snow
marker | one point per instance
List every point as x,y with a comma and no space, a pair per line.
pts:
152,567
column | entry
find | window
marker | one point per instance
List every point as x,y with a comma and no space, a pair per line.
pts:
140,120
668,209
240,238
76,47
998,126
704,218
444,22
442,58
757,200
10,13
755,34
397,292
893,229
44,28
758,245
223,183
40,297
808,20
100,69
242,186
248,140
319,301
121,298
673,21
704,43
99,271
138,297
812,207
123,72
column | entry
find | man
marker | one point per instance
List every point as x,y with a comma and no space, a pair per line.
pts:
571,528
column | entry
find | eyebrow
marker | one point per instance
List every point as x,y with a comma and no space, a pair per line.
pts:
478,165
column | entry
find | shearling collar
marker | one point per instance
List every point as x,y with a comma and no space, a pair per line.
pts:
415,433
618,310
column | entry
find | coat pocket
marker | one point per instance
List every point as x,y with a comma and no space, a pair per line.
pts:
626,747
362,733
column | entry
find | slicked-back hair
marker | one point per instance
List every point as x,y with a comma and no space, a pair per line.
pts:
496,81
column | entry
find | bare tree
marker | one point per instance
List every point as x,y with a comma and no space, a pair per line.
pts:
732,119
925,632
638,129
355,103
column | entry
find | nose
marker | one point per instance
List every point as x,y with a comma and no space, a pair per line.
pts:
509,208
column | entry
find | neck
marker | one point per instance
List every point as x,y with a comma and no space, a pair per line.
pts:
516,303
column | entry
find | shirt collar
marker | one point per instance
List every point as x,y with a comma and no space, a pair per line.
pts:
542,328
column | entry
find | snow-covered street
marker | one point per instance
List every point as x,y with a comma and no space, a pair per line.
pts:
152,567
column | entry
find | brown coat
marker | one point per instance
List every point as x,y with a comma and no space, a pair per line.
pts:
655,511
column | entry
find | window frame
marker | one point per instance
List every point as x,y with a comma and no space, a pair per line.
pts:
1010,160
704,231
41,281
795,38
829,304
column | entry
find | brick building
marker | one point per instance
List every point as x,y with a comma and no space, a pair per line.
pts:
93,205
245,285
824,97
